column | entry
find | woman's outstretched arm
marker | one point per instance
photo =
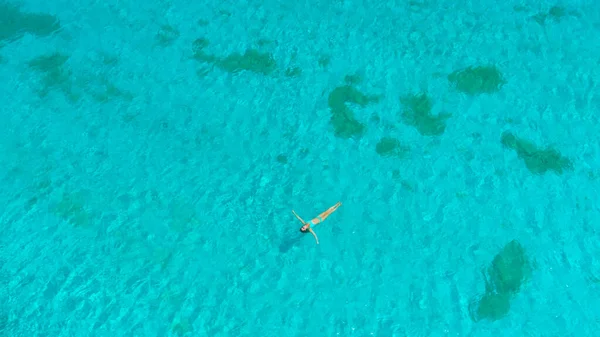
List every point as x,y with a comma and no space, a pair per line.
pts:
298,217
314,234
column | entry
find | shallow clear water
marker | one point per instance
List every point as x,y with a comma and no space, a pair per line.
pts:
153,152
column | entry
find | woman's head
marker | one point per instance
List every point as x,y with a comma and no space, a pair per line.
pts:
304,228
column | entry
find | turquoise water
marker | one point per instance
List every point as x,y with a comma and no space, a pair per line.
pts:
153,152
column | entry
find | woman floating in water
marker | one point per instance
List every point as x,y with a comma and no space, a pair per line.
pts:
306,228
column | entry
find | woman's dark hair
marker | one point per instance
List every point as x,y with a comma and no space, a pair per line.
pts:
303,230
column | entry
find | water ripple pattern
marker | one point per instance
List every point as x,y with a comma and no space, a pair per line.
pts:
153,151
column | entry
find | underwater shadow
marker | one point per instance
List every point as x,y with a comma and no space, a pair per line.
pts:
289,243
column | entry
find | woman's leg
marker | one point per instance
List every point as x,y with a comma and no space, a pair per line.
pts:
328,212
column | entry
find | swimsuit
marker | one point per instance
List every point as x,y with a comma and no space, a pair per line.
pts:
311,223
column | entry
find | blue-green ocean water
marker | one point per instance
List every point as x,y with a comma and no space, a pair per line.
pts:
150,165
